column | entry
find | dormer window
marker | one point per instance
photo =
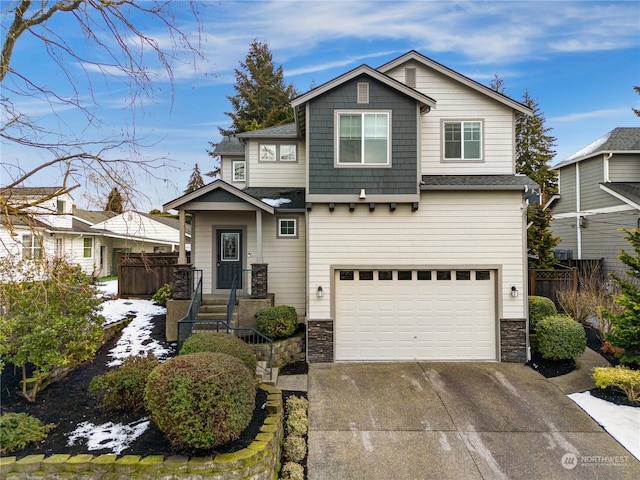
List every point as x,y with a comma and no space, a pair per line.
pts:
363,138
60,206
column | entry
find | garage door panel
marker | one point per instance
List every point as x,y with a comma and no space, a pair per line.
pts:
416,319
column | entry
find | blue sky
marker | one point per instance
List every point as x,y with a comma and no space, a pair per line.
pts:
579,60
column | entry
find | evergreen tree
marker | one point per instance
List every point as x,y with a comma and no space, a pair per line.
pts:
636,110
626,325
534,149
114,202
540,239
262,99
195,181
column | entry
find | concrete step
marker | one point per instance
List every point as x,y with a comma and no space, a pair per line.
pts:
213,309
262,372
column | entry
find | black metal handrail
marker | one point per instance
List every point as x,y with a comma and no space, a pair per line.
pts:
231,302
185,324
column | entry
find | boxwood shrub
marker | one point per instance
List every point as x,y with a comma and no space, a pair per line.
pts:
539,308
277,322
201,400
561,338
222,343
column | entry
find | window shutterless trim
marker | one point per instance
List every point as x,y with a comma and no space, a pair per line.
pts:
461,122
279,233
362,114
244,170
276,149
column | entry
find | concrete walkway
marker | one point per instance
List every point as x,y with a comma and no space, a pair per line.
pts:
452,420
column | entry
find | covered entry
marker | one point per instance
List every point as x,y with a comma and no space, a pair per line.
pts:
423,314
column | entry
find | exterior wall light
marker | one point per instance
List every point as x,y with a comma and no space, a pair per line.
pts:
363,194
320,292
514,291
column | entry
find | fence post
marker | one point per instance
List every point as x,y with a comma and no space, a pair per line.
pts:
532,281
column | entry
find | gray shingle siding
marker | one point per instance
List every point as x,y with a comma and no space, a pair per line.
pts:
401,178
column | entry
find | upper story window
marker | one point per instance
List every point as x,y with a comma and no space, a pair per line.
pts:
239,171
280,153
462,140
31,247
363,138
287,227
60,206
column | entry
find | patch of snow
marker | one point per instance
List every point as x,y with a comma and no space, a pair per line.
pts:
592,147
108,288
621,421
275,202
113,436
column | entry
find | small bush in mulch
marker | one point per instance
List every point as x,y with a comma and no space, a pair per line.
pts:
621,378
292,471
17,430
221,343
277,322
560,338
201,400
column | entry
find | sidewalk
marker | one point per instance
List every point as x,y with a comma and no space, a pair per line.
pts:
580,379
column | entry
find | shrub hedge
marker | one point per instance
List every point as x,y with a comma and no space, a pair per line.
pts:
561,338
221,343
620,377
201,400
539,308
277,322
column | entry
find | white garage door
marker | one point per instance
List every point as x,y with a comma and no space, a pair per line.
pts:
415,314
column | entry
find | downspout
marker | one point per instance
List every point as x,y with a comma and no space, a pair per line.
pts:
578,212
606,167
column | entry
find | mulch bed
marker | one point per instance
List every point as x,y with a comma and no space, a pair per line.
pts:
66,403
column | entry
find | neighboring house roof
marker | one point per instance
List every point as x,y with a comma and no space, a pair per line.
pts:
628,192
618,140
418,57
280,198
229,146
33,191
477,182
92,216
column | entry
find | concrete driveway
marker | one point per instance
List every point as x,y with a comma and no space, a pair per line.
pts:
392,421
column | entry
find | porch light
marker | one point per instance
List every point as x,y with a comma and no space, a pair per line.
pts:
363,194
514,291
319,292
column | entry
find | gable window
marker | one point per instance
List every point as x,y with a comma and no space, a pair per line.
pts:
287,228
238,171
60,206
363,138
280,153
31,247
87,247
462,140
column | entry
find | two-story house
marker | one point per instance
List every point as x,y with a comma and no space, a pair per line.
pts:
599,196
390,214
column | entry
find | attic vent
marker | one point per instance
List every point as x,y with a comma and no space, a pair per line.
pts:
410,77
363,92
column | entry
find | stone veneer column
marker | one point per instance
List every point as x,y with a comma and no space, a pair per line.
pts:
259,287
513,340
182,282
319,341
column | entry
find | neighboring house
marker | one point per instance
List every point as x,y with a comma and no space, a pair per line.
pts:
91,239
599,195
390,215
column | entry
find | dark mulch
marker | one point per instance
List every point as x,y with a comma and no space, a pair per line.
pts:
550,368
295,368
67,404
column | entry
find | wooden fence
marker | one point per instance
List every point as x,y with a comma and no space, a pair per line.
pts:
545,283
142,274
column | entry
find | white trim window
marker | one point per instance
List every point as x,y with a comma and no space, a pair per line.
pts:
31,247
287,227
462,140
363,138
87,247
278,152
238,167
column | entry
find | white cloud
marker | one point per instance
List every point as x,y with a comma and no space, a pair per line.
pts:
590,115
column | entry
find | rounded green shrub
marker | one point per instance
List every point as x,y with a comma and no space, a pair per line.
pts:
17,430
292,471
221,343
122,389
297,424
294,448
539,308
201,400
277,322
294,403
561,338
163,294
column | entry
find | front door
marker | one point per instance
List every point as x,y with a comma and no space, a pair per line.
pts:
229,258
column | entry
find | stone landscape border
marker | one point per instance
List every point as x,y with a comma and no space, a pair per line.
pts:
259,461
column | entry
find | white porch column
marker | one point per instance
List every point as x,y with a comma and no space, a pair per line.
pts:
259,258
182,254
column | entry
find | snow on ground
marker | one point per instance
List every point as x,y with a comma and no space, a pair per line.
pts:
117,437
134,340
136,337
621,421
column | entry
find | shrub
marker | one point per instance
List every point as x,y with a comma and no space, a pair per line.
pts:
539,308
294,403
297,424
294,448
201,400
561,338
222,343
17,430
122,389
277,322
163,294
625,379
292,471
